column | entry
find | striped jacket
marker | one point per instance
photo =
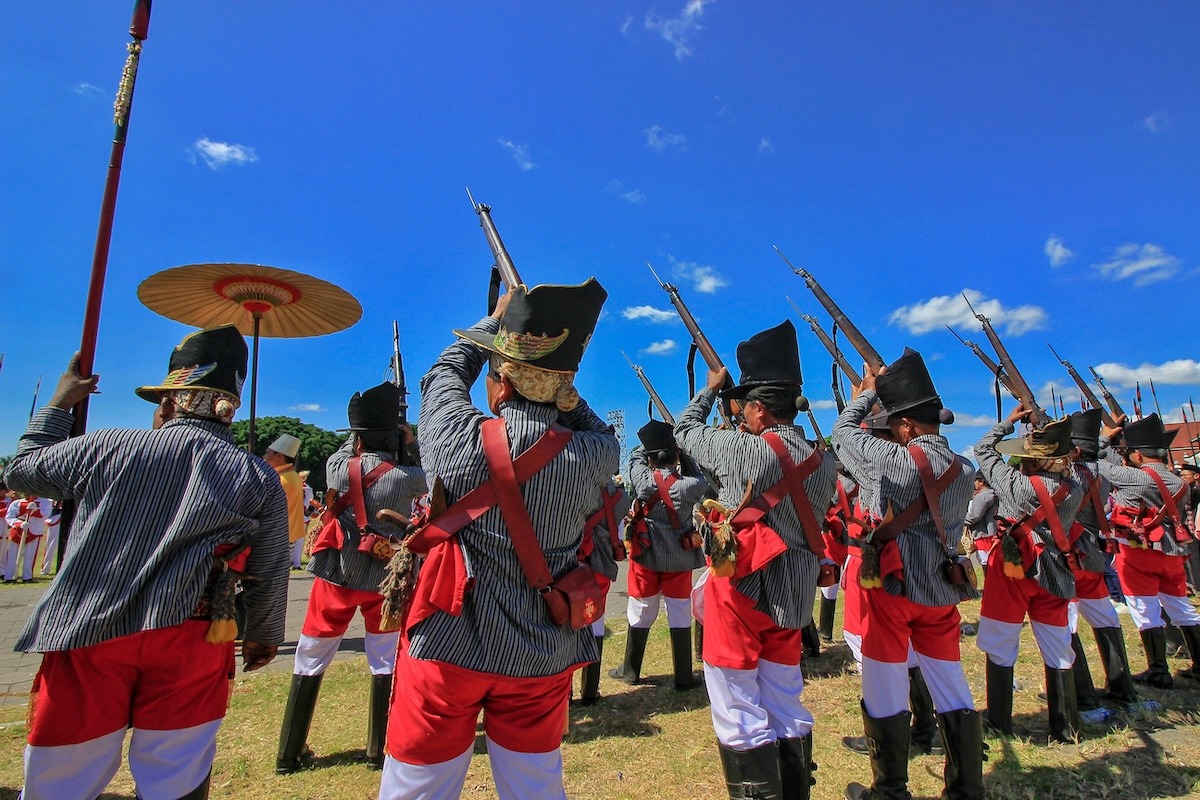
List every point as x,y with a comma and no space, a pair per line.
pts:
666,554
504,627
601,559
152,507
888,476
786,587
1133,488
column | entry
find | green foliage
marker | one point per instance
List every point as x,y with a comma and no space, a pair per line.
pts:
316,444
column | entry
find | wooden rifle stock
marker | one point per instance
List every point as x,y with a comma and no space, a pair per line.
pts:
1019,388
992,366
654,396
1113,405
1084,388
853,335
504,263
831,347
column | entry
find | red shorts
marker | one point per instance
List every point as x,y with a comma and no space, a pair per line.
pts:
1090,585
853,606
331,607
1008,599
892,622
1149,573
648,583
158,680
737,635
436,705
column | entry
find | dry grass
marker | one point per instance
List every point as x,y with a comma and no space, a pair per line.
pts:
650,742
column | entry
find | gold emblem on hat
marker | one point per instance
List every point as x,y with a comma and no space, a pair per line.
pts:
528,346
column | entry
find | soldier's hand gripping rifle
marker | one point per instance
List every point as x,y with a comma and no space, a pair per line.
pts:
1084,388
1113,406
1016,384
869,354
657,400
702,344
503,263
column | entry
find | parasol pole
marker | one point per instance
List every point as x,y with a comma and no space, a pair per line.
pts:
139,29
253,383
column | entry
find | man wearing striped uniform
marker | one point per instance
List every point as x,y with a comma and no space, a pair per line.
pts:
920,491
123,626
665,548
601,549
753,613
348,573
478,636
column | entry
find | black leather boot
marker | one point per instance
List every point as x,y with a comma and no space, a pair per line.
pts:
752,774
1061,704
796,768
924,720
381,698
811,640
1191,635
1118,681
201,791
999,690
297,718
1085,691
698,638
1154,642
681,656
888,739
1174,637
589,691
630,670
962,737
828,608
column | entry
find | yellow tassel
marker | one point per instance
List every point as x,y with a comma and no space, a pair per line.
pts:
869,576
221,631
1011,552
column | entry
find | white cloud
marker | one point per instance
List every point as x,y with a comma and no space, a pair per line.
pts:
679,30
703,278
1158,122
520,154
1144,263
88,89
625,23
951,310
635,196
973,421
1057,252
765,146
660,348
1181,371
649,313
659,140
821,405
307,407
220,154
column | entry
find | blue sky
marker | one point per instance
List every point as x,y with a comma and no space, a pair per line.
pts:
1041,156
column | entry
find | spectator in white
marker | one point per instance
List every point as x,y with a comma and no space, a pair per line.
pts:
50,549
26,527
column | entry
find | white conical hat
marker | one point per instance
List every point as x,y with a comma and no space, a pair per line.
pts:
286,445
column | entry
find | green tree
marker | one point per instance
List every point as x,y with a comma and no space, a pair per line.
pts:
316,444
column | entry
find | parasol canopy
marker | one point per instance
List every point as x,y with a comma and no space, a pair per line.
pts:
259,300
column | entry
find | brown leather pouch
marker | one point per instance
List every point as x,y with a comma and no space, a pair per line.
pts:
691,541
575,599
829,575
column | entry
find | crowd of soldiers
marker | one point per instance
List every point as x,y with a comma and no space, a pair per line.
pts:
481,572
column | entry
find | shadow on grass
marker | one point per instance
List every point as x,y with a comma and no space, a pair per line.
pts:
630,713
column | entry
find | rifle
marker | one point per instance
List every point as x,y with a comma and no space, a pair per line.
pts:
504,264
1113,406
820,437
1084,388
702,344
398,373
654,396
864,348
992,366
838,358
1020,389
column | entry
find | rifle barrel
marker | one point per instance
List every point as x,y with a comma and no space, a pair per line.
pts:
1020,389
504,262
1084,389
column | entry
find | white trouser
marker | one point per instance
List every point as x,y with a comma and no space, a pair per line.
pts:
854,642
830,592
518,776
314,655
297,552
642,611
1146,611
753,707
14,552
51,547
1098,613
598,627
885,685
1002,641
165,765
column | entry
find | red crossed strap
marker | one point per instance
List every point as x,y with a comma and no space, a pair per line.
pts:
792,484
1047,511
607,513
1093,496
477,502
931,489
664,494
1170,502
358,482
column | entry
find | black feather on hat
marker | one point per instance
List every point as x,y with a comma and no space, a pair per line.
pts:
210,360
768,358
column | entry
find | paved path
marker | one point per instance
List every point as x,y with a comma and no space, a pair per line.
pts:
17,602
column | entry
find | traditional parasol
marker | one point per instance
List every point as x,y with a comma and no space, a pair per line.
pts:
259,300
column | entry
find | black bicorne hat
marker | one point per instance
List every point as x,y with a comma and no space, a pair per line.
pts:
208,360
376,409
768,358
548,326
657,437
1052,441
1085,427
906,384
1148,434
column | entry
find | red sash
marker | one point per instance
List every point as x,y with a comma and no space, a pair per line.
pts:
931,489
607,514
1047,508
330,536
791,484
1170,506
